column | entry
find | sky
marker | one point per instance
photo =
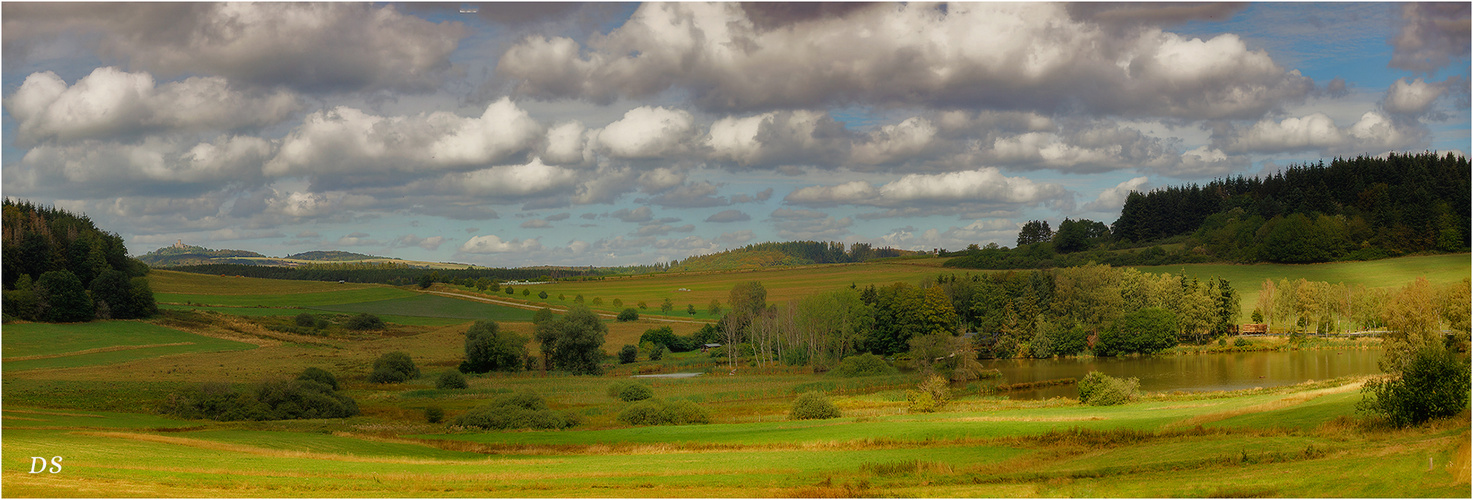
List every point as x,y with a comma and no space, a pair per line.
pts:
604,134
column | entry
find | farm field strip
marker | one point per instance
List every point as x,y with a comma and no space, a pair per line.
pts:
38,345
1000,459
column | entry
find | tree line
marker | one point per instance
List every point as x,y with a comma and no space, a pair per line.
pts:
952,319
1304,306
1356,208
59,267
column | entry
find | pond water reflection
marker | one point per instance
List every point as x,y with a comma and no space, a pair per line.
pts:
1194,372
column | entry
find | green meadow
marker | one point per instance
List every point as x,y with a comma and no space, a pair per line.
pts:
90,393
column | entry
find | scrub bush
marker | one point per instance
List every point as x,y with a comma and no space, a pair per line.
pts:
516,411
451,379
864,365
628,354
813,406
660,412
1434,384
1098,389
630,391
393,368
320,376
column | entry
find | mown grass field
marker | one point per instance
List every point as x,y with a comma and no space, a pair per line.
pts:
36,345
1158,447
99,413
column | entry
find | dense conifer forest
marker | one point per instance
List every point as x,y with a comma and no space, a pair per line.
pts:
1351,209
59,267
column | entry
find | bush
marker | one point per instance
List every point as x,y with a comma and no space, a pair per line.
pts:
629,391
1435,383
931,396
434,414
813,406
1241,342
393,368
268,400
660,412
657,352
1098,389
628,314
451,379
628,354
320,376
365,321
306,320
516,411
864,365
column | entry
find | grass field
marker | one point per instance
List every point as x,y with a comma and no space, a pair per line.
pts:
981,447
37,345
435,306
88,393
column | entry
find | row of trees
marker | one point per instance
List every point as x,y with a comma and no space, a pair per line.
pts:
1304,306
1039,313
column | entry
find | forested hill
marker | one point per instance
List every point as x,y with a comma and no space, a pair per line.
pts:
180,254
1357,208
331,255
787,253
59,267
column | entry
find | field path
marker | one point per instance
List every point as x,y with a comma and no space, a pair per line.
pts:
1277,404
520,305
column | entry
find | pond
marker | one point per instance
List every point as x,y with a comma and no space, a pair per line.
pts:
1191,372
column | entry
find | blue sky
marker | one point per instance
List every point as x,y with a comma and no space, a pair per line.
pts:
612,134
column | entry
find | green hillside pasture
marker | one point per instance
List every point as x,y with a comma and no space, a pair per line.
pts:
1248,279
237,311
287,300
782,284
176,282
33,418
36,345
121,395
433,306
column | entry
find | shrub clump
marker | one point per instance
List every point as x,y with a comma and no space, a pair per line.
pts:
365,321
267,400
516,411
628,314
864,365
434,414
813,406
451,379
661,412
320,376
930,396
629,390
1435,383
628,354
1098,389
393,368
